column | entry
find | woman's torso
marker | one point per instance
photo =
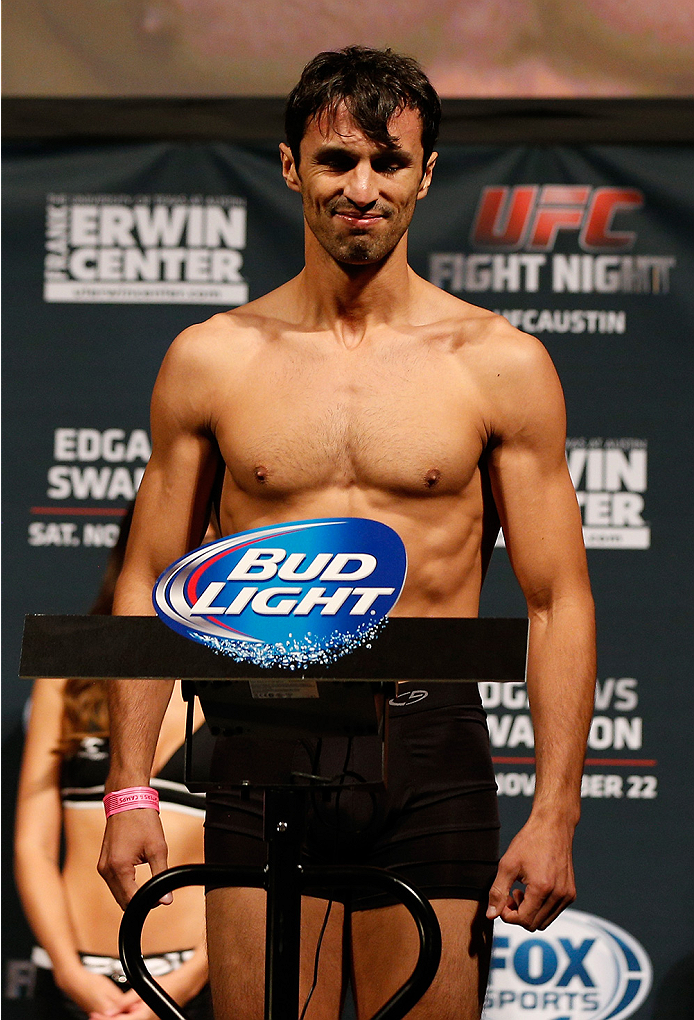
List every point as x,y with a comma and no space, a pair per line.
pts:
95,914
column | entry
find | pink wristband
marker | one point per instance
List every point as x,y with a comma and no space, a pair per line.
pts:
128,800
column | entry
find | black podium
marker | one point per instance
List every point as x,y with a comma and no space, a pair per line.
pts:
345,698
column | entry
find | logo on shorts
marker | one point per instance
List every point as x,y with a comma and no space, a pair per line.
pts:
287,595
408,698
581,966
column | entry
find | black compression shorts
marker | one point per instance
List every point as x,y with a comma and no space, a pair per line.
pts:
435,825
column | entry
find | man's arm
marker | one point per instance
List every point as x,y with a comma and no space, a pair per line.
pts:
170,517
542,526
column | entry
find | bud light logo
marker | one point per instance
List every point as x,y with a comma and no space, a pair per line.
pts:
580,966
287,595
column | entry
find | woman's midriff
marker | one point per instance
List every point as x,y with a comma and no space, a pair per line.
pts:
95,914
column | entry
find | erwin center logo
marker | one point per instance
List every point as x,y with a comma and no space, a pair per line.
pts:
611,478
145,249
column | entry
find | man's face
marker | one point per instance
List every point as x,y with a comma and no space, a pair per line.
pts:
359,196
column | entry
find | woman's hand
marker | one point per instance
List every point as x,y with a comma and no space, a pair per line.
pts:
94,993
181,984
130,1007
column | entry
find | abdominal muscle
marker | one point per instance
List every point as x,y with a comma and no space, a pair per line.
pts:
442,535
95,914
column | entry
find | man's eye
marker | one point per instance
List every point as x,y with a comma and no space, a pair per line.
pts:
387,168
337,163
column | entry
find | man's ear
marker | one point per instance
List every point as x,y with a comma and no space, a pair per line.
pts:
426,178
289,170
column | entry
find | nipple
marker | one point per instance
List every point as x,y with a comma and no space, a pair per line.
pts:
432,478
261,474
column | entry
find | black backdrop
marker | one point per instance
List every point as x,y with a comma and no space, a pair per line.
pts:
614,305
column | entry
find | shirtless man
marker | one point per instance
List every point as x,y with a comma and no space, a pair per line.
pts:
359,389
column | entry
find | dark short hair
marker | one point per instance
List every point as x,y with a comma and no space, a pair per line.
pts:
373,85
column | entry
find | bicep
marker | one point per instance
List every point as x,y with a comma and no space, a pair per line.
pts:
173,501
534,493
172,506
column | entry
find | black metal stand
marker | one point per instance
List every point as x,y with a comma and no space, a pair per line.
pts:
283,923
409,648
284,879
435,649
284,812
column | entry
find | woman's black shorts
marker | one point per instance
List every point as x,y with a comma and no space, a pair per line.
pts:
435,824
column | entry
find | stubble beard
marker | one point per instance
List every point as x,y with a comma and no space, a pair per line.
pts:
360,248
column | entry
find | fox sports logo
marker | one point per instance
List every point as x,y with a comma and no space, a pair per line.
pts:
287,595
581,966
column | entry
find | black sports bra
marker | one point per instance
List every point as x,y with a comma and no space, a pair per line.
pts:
82,775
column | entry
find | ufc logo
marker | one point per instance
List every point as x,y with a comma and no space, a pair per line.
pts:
529,216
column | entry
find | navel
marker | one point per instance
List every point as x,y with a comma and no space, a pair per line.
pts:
432,477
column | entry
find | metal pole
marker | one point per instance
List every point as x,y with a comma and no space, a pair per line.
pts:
222,876
284,827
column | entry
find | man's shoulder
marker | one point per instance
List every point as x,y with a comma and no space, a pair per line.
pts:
223,335
513,371
233,330
218,331
479,332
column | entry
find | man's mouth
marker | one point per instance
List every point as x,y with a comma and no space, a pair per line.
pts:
357,219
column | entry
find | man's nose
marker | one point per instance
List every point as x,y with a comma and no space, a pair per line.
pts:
361,185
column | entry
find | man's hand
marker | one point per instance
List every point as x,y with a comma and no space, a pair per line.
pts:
132,838
540,858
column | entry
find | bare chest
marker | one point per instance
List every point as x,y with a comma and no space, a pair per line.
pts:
402,423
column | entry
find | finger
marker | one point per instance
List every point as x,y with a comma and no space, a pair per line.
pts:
551,915
158,862
527,906
546,913
137,1011
120,878
499,894
128,998
122,885
111,1004
514,900
158,859
118,872
561,894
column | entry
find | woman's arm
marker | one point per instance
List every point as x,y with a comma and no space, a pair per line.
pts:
185,983
37,853
182,985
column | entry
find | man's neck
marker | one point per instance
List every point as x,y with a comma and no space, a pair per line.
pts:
350,299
